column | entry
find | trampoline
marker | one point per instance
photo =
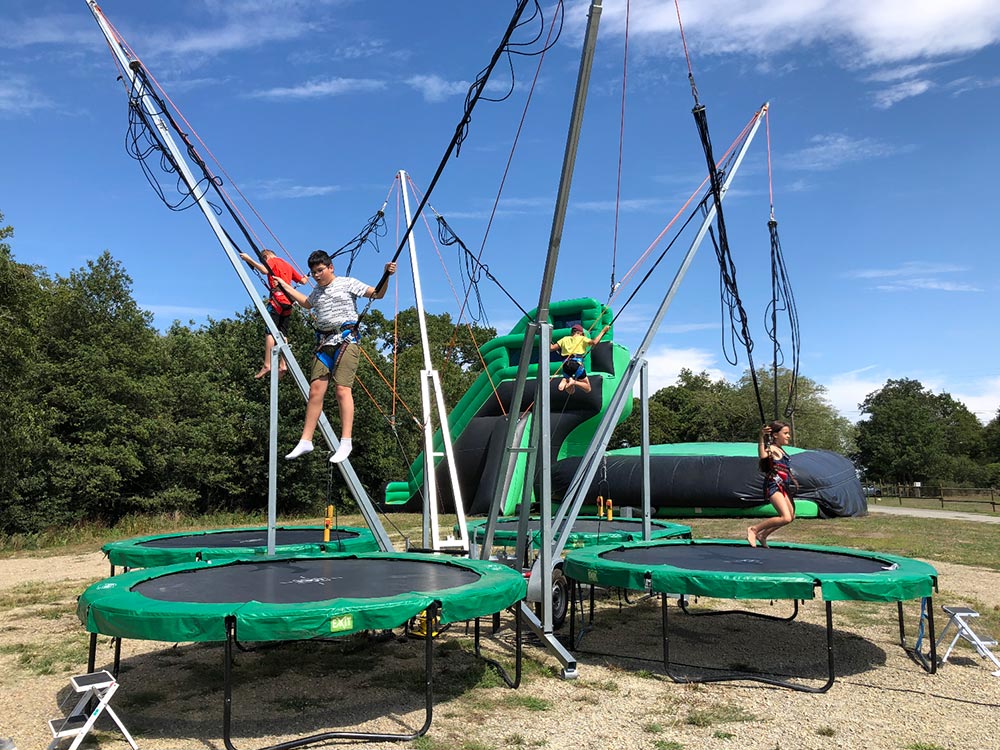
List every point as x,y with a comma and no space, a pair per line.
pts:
220,544
301,597
587,531
734,570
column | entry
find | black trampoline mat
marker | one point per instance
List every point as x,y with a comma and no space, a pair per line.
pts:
305,580
246,538
746,559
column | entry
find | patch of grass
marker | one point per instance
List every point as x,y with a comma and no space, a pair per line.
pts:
527,702
960,542
429,743
925,746
720,735
608,686
862,614
653,728
668,745
36,594
725,713
825,732
515,740
49,658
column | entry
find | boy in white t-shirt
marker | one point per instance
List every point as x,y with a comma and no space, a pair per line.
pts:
337,355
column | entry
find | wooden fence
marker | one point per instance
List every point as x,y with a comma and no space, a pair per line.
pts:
934,492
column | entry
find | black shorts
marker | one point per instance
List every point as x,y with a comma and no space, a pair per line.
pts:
280,320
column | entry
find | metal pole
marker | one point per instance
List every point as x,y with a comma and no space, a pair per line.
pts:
548,275
272,463
429,382
647,525
576,493
129,65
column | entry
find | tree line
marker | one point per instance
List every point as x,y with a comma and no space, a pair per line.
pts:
105,416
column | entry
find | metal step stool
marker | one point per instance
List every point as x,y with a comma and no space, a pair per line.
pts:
98,687
958,617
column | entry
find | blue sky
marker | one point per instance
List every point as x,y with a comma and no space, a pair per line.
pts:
883,138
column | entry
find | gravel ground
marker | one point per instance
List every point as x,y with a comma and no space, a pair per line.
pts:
171,696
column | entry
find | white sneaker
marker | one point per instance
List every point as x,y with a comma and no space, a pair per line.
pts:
342,452
301,448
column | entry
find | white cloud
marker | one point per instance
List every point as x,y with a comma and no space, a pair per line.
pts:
846,390
666,363
983,399
904,90
910,268
55,29
887,31
833,150
901,72
916,275
285,188
966,84
320,89
18,97
907,285
631,204
434,88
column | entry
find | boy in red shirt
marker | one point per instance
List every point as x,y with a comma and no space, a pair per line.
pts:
280,306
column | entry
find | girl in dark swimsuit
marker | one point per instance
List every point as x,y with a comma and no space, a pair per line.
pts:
779,481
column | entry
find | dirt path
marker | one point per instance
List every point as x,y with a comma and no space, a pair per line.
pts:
171,695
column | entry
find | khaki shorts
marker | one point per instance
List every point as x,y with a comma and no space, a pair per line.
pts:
344,370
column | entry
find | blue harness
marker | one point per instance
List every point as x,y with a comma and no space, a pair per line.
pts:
348,335
573,367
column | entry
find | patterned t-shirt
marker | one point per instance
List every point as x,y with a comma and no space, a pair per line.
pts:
334,304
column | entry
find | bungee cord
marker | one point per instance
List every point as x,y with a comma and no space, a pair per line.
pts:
738,322
782,300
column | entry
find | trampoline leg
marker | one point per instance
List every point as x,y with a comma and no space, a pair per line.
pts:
118,656
930,626
227,681
92,655
929,665
432,623
574,591
902,625
829,649
511,683
665,625
432,628
751,677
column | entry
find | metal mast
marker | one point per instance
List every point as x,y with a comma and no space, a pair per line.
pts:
131,66
430,382
539,452
587,470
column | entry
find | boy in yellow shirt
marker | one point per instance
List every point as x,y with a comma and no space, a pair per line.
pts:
573,348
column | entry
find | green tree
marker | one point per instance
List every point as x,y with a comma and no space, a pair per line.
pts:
903,437
97,362
24,297
963,430
991,440
815,422
698,409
